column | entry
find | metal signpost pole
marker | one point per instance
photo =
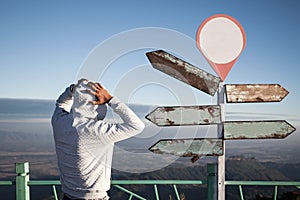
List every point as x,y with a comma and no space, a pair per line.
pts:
221,159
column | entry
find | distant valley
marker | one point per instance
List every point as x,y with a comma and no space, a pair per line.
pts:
26,135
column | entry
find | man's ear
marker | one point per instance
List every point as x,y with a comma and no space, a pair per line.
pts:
72,88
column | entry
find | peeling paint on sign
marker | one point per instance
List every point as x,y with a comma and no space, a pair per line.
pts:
189,147
247,93
184,71
185,115
257,129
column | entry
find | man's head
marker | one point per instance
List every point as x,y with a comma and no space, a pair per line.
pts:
82,102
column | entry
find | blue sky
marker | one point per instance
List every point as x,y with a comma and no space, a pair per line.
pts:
44,44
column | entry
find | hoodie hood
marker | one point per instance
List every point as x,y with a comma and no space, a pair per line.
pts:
82,107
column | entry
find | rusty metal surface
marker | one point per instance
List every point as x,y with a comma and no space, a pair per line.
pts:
189,147
184,71
257,129
247,93
185,115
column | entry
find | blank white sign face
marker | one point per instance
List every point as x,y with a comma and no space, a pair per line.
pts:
221,40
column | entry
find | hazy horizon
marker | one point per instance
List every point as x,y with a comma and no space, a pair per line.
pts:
32,118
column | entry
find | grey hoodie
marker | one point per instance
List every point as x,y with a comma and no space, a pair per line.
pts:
84,144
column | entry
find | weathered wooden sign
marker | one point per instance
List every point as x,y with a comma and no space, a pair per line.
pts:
248,93
257,129
184,71
189,147
185,115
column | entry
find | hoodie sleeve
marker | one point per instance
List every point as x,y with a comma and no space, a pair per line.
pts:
63,104
114,132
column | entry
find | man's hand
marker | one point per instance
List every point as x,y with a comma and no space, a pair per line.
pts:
101,94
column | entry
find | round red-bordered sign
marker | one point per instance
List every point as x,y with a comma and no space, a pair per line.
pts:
221,39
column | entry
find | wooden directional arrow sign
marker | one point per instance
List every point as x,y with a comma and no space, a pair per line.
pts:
257,129
247,93
189,147
185,115
184,71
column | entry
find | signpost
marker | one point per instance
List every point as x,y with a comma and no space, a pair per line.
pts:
184,71
221,52
185,115
221,39
189,147
213,114
257,129
250,93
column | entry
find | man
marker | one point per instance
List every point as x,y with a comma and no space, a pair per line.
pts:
84,142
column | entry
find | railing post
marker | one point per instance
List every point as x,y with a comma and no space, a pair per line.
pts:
212,181
275,192
156,192
22,188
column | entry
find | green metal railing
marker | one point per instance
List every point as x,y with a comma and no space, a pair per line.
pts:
118,183
23,184
275,184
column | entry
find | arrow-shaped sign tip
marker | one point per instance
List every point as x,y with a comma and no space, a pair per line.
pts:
154,117
283,92
289,128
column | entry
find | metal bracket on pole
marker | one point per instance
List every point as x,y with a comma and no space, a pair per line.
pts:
22,188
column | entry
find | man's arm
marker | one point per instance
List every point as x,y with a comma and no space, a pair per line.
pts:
64,103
